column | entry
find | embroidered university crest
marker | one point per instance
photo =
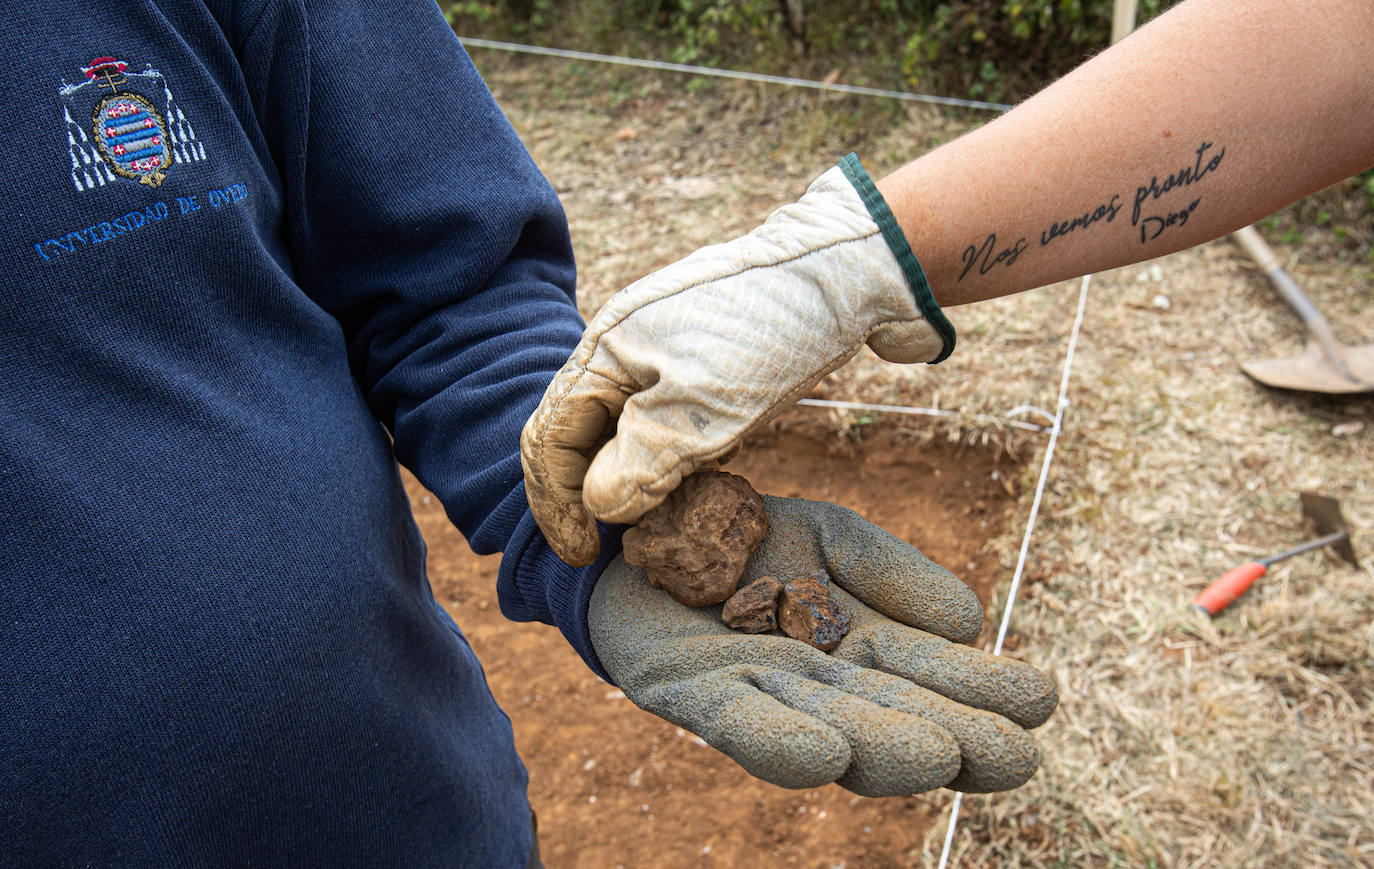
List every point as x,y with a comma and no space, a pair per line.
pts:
136,129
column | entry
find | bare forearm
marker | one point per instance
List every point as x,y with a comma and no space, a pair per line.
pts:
1214,115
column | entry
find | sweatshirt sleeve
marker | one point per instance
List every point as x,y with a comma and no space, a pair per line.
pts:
415,216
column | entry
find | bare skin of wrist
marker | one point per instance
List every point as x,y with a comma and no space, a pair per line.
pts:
1214,115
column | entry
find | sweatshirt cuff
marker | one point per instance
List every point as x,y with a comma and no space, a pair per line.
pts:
535,585
901,249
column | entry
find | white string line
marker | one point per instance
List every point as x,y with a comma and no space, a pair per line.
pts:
1030,527
935,411
569,54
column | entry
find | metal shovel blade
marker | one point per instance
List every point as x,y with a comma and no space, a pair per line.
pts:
1313,372
1326,365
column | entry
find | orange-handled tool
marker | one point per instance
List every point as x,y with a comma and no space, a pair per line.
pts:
1325,512
1236,581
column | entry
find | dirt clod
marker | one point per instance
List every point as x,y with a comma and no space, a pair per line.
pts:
754,608
695,544
807,612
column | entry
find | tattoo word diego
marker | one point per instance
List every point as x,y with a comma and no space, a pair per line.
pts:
1151,227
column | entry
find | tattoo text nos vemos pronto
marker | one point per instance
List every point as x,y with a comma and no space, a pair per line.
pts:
986,255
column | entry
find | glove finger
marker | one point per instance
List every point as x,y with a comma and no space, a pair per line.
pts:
883,571
994,753
892,752
769,739
573,419
1011,689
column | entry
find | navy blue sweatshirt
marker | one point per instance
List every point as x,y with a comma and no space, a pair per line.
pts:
253,253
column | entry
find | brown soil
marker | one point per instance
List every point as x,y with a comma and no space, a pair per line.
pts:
616,786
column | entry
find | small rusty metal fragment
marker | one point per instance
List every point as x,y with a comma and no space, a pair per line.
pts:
695,544
754,608
807,612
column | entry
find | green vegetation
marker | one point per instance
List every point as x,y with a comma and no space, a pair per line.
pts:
1336,224
984,49
1003,50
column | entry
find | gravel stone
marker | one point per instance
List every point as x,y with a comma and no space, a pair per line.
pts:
807,612
754,608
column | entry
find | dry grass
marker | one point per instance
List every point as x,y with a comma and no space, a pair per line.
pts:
1178,743
1181,742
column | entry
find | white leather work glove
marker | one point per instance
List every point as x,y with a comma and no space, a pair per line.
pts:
679,366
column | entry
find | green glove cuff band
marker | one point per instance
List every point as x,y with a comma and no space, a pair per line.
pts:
901,249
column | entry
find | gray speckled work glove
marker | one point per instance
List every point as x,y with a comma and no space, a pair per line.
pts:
896,708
